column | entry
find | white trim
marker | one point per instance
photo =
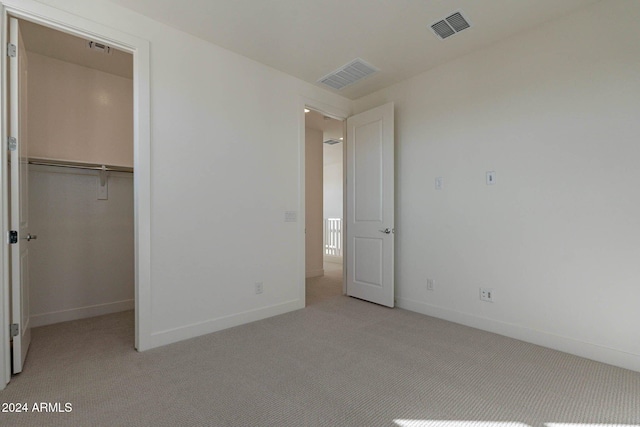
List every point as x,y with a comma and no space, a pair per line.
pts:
335,113
80,313
302,268
197,329
345,244
568,345
5,357
315,273
63,21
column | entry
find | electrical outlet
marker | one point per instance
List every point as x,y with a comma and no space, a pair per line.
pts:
430,284
259,288
486,294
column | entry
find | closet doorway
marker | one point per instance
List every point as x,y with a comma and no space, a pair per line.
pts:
74,164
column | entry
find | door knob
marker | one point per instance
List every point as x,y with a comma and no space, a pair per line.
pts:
386,231
31,237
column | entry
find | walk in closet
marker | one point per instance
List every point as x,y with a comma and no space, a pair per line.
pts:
79,124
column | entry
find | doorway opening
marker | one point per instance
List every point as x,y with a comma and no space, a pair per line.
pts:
324,206
74,174
368,230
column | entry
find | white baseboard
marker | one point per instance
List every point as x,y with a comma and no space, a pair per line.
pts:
568,345
80,313
333,259
315,273
193,330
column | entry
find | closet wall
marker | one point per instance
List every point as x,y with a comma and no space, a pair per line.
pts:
78,113
82,263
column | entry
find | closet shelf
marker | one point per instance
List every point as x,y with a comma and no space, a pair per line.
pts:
79,165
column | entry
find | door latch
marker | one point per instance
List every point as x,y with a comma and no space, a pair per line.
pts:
13,237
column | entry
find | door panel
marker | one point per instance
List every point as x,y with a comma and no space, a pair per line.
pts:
19,183
370,206
368,261
368,155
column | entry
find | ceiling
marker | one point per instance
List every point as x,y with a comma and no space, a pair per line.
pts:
311,38
68,48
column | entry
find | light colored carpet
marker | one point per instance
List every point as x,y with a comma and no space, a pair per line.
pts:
324,287
338,362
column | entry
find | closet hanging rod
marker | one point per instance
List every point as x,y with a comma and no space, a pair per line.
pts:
79,165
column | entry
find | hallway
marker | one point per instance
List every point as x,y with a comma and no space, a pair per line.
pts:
327,286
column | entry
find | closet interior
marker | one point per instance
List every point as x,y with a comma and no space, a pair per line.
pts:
80,180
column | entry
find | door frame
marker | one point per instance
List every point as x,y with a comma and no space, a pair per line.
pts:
66,22
338,114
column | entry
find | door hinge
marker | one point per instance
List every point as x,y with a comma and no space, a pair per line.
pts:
13,237
12,143
11,50
14,329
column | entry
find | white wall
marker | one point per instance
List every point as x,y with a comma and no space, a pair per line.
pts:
333,187
81,265
555,113
332,178
78,113
313,204
225,166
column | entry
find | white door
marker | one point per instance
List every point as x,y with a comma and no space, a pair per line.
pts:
370,205
19,198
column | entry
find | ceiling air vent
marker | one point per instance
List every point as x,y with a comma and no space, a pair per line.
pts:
348,74
451,25
332,141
